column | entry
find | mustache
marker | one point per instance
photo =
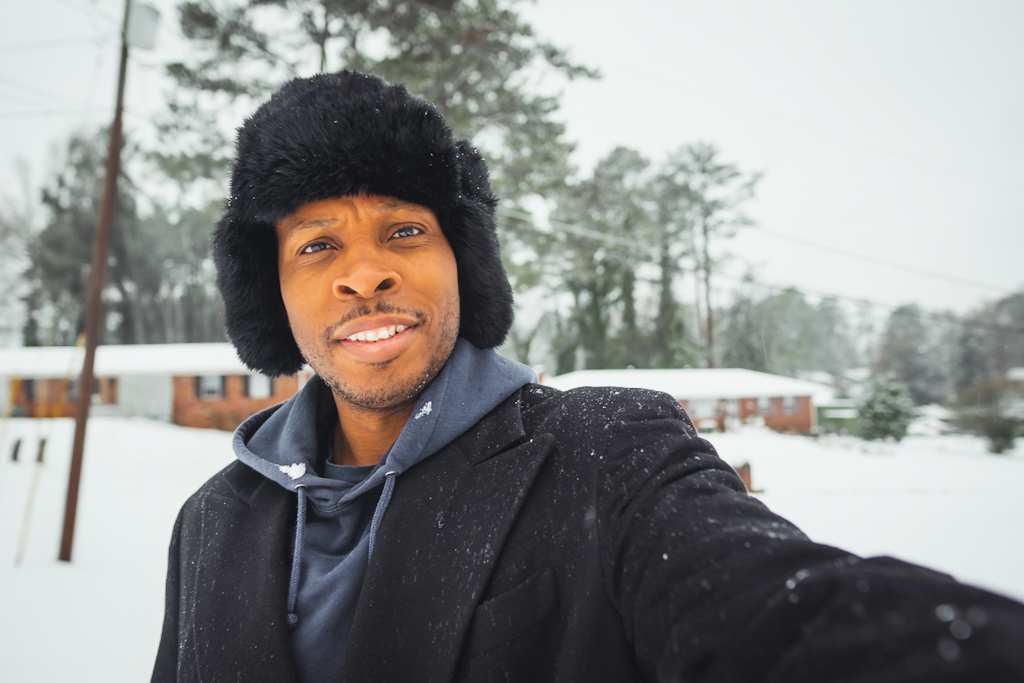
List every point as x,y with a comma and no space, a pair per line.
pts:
363,309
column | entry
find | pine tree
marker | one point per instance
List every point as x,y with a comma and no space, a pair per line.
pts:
885,409
478,61
598,273
60,255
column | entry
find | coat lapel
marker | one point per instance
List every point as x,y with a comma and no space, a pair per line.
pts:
436,549
239,626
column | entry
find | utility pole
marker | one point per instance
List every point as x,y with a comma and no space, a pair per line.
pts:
94,305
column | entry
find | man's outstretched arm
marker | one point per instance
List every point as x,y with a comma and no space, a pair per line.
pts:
713,586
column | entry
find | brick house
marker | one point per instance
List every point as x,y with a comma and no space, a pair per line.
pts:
719,398
194,385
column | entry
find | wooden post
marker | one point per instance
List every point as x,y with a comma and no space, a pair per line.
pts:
94,306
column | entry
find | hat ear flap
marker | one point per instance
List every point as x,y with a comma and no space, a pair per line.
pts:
254,312
484,290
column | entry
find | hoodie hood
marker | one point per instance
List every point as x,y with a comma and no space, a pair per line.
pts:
284,443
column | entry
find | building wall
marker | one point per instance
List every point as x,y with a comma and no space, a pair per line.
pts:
229,411
146,396
54,397
800,419
41,398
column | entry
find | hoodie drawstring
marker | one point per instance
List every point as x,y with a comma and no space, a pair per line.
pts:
293,584
300,525
382,505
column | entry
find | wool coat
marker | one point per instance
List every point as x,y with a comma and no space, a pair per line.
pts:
589,535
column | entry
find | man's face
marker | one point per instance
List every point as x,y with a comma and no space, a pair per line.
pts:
372,294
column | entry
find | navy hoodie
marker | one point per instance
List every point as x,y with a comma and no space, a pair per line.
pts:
289,444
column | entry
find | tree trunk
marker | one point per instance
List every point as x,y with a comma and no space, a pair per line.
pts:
710,327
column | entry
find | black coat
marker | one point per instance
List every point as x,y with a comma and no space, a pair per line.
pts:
580,536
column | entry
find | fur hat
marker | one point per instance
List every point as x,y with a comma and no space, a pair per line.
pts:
336,135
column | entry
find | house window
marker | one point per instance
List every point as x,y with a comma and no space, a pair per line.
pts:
259,386
789,405
209,387
72,390
702,407
765,406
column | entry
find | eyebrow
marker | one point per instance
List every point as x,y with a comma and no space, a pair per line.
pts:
396,205
316,223
383,208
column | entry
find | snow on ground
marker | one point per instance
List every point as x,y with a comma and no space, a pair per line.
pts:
941,501
98,618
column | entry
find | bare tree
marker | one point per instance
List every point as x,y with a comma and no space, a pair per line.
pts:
714,193
17,217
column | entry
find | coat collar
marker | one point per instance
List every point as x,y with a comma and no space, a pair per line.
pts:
437,547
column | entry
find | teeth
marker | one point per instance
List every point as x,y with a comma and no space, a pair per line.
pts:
375,335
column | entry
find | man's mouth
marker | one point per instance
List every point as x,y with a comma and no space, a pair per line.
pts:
385,332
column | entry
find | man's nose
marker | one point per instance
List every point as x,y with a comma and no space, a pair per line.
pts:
364,274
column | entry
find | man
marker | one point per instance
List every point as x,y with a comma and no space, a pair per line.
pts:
423,511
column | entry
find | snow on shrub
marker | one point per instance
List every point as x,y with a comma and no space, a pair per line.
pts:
885,409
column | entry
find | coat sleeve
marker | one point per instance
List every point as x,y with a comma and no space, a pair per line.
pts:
165,669
712,586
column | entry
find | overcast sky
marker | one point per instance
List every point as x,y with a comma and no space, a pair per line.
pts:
892,130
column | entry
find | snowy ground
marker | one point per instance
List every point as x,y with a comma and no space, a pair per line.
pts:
940,501
98,618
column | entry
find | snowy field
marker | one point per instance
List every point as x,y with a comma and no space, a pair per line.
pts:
940,501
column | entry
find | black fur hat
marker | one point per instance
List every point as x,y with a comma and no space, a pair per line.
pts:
336,135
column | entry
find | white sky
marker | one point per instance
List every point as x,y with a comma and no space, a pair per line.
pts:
889,129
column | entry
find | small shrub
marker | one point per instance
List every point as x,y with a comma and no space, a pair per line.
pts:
885,409
994,410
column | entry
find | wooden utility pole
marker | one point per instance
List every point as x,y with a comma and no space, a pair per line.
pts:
94,306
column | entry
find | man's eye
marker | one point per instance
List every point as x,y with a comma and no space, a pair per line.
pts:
314,248
407,231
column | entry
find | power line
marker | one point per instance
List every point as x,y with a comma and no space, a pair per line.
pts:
31,89
20,47
48,113
875,260
633,248
88,9
19,99
575,229
620,244
932,315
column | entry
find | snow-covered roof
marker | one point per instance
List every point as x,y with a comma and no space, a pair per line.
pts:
116,361
696,384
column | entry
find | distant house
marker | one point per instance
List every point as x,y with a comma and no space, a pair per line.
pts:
716,398
194,385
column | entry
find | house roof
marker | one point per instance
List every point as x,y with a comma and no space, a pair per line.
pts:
115,361
696,384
